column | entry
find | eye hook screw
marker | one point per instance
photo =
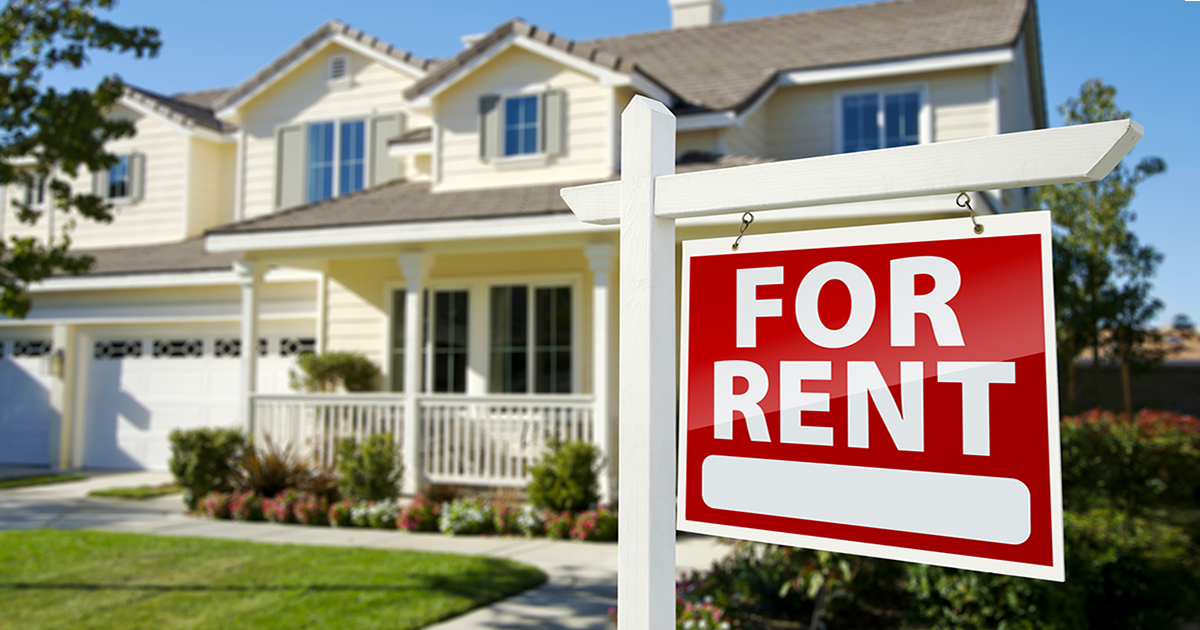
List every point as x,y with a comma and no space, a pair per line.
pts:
747,219
964,201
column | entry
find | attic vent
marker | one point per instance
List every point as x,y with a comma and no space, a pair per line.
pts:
338,67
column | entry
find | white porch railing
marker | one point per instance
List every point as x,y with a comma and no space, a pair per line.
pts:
312,424
470,440
496,440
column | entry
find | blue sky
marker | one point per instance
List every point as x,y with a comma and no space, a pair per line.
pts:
1148,50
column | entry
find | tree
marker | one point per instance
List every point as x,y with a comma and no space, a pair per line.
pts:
1101,270
48,136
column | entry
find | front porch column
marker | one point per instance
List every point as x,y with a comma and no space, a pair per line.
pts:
63,364
249,274
413,267
600,261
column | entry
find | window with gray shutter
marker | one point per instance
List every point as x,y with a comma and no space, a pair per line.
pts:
383,128
289,161
490,127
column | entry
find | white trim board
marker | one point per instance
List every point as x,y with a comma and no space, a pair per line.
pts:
992,57
163,280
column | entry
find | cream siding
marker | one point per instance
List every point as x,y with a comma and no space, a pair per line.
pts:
357,320
961,107
305,95
751,137
211,191
279,300
705,141
801,122
1016,109
586,146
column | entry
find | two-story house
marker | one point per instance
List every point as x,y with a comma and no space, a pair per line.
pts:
352,196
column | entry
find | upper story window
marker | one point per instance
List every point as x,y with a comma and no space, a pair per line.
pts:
35,192
336,157
123,181
880,120
521,125
319,160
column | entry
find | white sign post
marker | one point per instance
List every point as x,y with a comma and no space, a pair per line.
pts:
646,203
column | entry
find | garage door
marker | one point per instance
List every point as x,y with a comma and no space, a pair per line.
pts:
25,412
139,390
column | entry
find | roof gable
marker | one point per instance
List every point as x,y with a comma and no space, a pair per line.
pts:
175,111
329,33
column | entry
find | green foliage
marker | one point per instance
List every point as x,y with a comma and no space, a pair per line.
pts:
326,372
268,471
566,477
202,461
1101,271
370,471
466,517
62,133
1133,464
599,524
1122,572
39,480
137,493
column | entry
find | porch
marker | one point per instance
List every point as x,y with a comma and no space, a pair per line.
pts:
460,440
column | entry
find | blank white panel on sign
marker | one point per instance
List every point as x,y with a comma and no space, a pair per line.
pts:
988,509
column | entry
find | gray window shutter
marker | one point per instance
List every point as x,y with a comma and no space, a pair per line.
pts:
384,128
490,127
554,104
289,164
100,184
137,175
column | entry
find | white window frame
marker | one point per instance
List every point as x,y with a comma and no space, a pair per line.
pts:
479,326
368,162
924,118
523,160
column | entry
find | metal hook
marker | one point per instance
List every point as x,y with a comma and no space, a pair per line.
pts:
964,201
747,219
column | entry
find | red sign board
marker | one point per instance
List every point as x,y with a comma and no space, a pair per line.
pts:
884,390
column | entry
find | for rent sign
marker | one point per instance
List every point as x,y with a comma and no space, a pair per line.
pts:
884,390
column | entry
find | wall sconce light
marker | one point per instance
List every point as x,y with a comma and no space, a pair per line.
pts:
57,358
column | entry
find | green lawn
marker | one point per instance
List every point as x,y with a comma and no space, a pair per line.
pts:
39,480
81,579
137,493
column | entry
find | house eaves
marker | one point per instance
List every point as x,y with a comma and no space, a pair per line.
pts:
185,116
331,31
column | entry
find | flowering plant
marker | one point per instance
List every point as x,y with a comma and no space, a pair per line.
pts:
360,513
339,513
598,524
278,509
469,516
216,504
382,515
246,506
558,525
311,509
421,515
530,521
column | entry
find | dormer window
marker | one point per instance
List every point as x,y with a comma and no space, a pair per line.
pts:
881,120
521,126
339,68
123,181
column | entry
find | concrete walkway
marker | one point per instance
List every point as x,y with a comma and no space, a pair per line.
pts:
582,582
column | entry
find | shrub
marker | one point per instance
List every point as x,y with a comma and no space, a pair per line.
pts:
246,506
1134,464
339,513
270,470
1122,572
382,515
370,471
421,515
566,477
360,513
466,517
202,461
216,504
530,521
504,517
280,508
558,525
599,524
326,372
311,509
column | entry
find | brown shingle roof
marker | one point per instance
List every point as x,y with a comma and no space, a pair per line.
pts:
330,28
184,112
723,66
200,98
169,257
404,202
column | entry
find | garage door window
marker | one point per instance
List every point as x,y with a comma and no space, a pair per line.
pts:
117,348
178,348
32,348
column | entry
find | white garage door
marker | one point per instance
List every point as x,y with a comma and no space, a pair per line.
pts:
25,412
139,390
